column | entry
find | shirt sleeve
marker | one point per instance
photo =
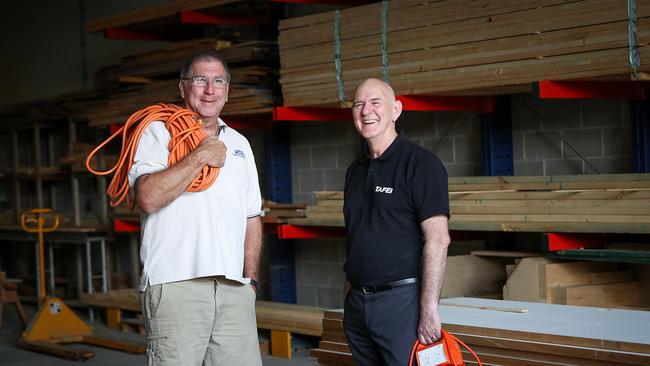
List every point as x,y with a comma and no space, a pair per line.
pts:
254,207
152,153
430,188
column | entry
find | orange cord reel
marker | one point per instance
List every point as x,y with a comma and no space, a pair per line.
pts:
445,352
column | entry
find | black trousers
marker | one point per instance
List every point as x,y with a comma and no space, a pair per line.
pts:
382,327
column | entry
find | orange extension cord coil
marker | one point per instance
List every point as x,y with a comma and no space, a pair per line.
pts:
447,351
186,130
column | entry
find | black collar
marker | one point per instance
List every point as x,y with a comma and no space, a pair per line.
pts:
394,147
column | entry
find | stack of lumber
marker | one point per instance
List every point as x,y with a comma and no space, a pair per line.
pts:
512,333
616,203
453,47
279,212
538,279
152,13
328,211
292,318
167,61
270,315
142,80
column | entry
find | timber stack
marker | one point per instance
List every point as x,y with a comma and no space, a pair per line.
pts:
517,333
145,79
457,47
616,203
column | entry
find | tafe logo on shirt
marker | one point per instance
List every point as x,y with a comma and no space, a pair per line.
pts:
387,190
239,153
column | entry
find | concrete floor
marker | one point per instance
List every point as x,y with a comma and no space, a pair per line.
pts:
10,355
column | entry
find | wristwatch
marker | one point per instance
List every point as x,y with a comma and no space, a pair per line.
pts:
255,284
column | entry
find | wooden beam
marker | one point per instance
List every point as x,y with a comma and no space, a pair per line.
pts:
280,343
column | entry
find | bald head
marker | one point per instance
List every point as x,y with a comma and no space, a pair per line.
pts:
375,85
374,112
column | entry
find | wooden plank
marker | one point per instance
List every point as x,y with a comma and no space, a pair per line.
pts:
289,317
113,318
541,218
503,253
328,195
115,344
525,282
616,329
558,349
503,356
546,335
573,273
561,179
552,195
472,276
56,350
606,295
280,343
340,358
334,346
597,278
568,227
568,206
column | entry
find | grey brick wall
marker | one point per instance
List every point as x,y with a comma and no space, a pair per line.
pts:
319,272
599,130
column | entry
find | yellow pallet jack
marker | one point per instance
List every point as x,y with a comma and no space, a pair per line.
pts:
55,324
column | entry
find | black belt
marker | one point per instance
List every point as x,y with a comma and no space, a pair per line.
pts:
371,289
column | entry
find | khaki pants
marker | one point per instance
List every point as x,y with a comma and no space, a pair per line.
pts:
205,321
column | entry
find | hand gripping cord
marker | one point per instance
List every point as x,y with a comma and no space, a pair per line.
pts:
186,131
451,349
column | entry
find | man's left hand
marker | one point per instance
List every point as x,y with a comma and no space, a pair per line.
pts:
430,327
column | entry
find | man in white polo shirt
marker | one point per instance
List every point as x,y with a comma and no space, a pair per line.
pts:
200,250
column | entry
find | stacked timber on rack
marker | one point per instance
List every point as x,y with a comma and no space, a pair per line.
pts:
279,212
513,333
142,80
167,61
152,13
599,284
455,47
328,211
615,203
280,318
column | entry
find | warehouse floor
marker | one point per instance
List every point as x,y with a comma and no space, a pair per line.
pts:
10,355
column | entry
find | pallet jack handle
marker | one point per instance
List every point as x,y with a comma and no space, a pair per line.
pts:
33,221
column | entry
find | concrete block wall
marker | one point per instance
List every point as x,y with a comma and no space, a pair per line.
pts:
322,151
598,129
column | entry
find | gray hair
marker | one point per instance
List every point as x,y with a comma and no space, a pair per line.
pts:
209,54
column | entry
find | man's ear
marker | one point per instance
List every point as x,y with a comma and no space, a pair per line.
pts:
397,110
181,89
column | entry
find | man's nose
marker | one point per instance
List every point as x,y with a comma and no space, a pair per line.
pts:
209,88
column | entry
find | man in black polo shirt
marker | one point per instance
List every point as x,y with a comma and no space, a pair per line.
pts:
396,215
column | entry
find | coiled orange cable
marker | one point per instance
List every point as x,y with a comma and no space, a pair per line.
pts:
186,132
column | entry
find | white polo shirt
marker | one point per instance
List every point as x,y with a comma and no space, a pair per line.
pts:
200,233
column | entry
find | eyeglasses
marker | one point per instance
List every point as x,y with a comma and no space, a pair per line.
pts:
202,82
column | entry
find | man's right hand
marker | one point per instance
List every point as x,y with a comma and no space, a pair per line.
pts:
212,151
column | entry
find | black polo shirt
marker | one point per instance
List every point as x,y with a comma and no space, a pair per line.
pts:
386,199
